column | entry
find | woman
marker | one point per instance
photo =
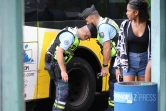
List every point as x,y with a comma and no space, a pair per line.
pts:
134,42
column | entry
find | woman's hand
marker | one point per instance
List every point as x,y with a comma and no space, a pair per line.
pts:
118,74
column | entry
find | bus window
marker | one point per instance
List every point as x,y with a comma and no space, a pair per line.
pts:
61,10
48,11
117,9
30,10
61,13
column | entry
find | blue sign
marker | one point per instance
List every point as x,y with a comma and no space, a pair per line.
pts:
27,59
123,97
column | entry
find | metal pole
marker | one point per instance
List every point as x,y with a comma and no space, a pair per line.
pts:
158,17
0,59
11,55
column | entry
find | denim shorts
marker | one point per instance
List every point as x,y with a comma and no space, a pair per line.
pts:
137,64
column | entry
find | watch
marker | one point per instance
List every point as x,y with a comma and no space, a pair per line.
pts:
105,65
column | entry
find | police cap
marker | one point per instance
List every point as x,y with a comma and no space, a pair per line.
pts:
93,30
87,12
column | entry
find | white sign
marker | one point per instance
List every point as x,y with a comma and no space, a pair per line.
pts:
30,69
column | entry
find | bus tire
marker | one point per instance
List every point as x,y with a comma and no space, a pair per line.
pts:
82,85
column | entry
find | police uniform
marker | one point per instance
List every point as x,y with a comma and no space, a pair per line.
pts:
67,39
107,30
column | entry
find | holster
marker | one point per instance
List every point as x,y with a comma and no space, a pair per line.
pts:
48,58
53,69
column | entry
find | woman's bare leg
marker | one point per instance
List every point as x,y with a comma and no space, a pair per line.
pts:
148,72
128,78
141,78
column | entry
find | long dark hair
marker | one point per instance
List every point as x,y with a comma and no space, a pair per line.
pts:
142,7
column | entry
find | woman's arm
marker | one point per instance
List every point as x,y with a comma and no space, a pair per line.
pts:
148,72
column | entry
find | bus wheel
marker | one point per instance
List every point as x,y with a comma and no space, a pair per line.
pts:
82,85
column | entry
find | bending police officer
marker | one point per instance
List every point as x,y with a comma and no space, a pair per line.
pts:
106,39
59,54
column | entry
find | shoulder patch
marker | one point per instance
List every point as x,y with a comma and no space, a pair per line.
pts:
66,42
101,34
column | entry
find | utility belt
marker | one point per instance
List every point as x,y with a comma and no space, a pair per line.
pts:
52,66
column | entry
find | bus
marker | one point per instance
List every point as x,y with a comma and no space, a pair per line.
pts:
43,20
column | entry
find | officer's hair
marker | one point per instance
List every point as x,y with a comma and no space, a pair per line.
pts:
95,14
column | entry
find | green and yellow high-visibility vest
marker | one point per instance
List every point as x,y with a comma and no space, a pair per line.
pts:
113,44
69,53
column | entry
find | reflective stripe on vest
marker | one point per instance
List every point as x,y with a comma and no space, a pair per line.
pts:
59,106
69,53
99,40
110,103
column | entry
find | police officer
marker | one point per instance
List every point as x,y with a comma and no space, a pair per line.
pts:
107,30
59,54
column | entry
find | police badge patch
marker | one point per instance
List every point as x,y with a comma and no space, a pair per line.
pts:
66,42
101,34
